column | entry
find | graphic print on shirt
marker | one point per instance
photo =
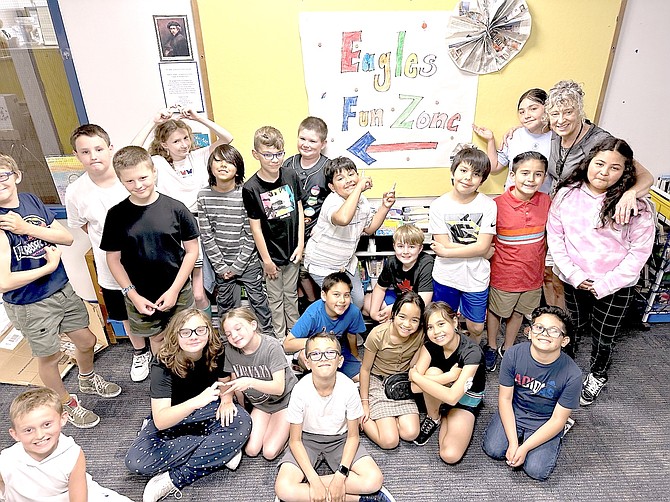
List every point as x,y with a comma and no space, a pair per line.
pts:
464,228
261,372
278,203
31,247
536,387
404,285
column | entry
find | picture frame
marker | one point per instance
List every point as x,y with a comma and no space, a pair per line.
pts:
173,38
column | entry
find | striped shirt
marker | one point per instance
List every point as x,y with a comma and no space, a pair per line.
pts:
224,230
520,244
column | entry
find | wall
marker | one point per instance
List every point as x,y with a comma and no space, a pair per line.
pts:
636,101
256,75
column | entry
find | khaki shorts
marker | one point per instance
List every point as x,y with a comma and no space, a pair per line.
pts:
152,325
503,303
43,322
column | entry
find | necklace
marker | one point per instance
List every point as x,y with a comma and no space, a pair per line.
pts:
560,164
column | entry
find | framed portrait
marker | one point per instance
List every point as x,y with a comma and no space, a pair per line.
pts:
172,35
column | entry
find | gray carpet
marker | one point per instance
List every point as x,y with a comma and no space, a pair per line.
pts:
618,450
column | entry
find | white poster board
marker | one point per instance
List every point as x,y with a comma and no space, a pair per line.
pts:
386,86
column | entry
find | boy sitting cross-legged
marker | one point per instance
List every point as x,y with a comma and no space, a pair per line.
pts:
327,393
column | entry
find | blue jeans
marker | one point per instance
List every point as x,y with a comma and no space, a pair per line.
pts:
540,461
191,449
356,287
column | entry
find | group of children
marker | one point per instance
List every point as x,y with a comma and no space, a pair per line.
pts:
171,224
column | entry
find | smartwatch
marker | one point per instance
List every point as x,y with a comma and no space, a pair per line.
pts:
344,470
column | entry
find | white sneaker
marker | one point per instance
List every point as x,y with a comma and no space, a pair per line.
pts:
234,462
140,369
158,487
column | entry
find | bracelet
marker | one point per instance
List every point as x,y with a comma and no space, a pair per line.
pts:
125,291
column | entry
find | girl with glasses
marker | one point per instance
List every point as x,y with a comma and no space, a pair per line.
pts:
391,347
194,428
261,375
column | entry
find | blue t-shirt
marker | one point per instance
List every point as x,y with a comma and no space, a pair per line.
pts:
28,253
538,387
315,320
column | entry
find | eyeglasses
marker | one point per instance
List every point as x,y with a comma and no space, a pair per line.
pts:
272,156
188,333
6,175
552,331
317,355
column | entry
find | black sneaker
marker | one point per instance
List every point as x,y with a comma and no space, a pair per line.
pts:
591,388
501,352
428,426
490,358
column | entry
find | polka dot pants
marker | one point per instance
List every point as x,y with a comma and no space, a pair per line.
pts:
191,449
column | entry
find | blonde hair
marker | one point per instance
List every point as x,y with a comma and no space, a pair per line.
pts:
163,132
409,234
8,161
244,313
32,399
268,136
171,354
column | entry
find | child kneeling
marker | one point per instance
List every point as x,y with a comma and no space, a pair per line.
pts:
325,392
539,386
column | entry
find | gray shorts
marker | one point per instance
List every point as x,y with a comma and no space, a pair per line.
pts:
322,448
152,325
43,322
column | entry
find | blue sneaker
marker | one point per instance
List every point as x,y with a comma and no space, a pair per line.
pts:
382,495
490,358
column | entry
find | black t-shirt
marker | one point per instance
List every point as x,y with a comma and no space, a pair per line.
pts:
314,189
468,352
150,240
165,384
419,278
276,206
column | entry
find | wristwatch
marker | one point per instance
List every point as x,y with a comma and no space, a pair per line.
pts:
344,470
125,291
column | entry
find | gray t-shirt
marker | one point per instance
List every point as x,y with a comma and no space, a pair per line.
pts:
268,358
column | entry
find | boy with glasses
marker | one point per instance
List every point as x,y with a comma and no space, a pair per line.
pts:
539,387
334,314
38,297
272,199
327,393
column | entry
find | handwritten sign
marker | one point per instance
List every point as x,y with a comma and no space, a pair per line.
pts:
386,86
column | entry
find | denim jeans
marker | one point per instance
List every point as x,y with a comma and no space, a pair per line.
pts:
540,461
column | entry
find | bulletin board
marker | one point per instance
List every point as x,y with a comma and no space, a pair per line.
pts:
253,58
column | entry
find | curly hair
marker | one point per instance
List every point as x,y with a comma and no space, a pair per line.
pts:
565,94
163,132
171,354
616,191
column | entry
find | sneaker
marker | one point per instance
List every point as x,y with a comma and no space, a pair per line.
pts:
234,462
79,416
98,385
568,425
382,495
158,487
140,369
490,358
428,426
501,352
591,388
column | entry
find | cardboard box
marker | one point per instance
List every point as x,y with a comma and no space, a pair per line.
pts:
19,367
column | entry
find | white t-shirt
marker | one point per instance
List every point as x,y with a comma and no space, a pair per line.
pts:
331,247
463,223
87,203
185,179
524,141
324,415
29,480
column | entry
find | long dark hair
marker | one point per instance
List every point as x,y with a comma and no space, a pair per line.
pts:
616,191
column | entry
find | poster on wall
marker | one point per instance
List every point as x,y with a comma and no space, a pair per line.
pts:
386,86
181,85
173,39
